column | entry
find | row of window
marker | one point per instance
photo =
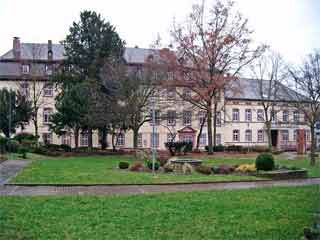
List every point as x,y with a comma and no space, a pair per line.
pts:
261,115
186,118
25,69
47,90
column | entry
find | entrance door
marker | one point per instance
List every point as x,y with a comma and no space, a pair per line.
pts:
274,138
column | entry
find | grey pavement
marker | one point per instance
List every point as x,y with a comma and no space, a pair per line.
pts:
10,168
15,190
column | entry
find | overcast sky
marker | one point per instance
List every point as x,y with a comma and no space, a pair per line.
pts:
289,26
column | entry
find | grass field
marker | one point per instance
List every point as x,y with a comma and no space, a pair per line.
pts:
103,169
259,214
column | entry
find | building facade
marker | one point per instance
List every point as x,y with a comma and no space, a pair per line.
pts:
240,119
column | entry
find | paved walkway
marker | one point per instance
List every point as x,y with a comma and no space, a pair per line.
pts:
107,190
10,168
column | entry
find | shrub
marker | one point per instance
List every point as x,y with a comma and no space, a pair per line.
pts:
179,147
187,168
233,148
3,158
265,162
136,166
225,169
39,150
259,149
3,144
246,168
168,167
12,146
20,137
218,148
65,148
204,169
23,151
156,165
123,165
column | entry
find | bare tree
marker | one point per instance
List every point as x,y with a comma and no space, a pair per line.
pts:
306,97
212,47
270,72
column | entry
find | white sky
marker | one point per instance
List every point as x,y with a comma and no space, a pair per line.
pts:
289,26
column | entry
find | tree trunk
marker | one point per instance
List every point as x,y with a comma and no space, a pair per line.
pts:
209,127
103,140
199,134
113,143
90,145
215,124
268,126
135,137
313,146
76,137
36,128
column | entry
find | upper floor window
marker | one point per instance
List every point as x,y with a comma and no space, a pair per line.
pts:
296,117
248,115
285,116
236,135
171,118
187,118
48,90
25,69
273,116
248,135
235,114
46,115
260,115
157,117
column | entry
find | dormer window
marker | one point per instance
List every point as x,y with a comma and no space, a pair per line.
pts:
25,69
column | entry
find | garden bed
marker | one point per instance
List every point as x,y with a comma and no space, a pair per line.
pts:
284,174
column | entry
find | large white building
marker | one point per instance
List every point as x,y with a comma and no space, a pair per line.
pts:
240,119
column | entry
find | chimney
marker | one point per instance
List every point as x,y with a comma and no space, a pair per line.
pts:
50,52
16,48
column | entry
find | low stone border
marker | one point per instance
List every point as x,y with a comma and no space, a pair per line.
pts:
285,174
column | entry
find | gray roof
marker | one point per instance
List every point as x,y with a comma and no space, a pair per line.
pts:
10,69
249,89
39,51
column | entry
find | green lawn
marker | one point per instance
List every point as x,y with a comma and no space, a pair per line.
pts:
103,169
259,214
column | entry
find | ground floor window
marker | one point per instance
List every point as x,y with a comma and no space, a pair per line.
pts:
47,138
218,139
285,135
121,139
154,140
236,135
187,138
140,140
248,135
170,137
66,139
260,136
84,139
203,139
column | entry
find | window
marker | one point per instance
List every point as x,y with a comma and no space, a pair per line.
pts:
121,139
295,135
260,115
218,117
187,118
66,139
186,93
170,76
236,135
187,138
24,89
203,139
25,69
248,115
235,115
46,115
170,137
285,116
140,140
154,140
202,118
171,94
248,135
296,117
48,69
218,138
47,138
273,116
260,136
48,90
308,138
157,117
285,135
84,139
171,121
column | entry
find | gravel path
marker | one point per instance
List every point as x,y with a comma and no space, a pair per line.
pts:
11,168
12,190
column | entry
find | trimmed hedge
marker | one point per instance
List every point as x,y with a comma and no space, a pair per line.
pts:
123,165
265,162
